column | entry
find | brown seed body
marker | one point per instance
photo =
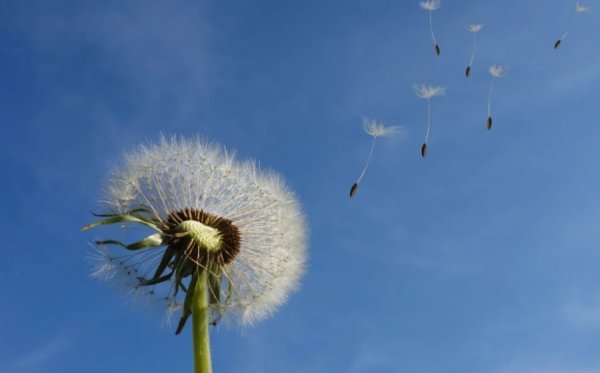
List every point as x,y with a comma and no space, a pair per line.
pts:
489,123
468,71
557,44
437,50
424,150
353,189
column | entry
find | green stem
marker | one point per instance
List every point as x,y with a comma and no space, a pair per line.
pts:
200,325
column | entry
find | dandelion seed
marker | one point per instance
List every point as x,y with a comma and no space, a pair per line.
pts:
578,9
496,71
474,29
428,92
424,150
375,130
430,6
226,240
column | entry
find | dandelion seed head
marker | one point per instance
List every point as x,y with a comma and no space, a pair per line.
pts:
377,129
581,9
498,71
430,5
474,27
429,91
260,246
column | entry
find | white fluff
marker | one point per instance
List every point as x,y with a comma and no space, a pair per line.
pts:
581,9
474,27
377,129
497,71
176,174
428,91
430,5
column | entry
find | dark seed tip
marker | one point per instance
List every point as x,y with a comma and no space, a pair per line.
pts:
557,44
180,326
489,123
424,150
468,72
353,189
437,50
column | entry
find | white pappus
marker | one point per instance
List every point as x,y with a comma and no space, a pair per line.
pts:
431,6
428,92
496,71
206,213
578,9
374,129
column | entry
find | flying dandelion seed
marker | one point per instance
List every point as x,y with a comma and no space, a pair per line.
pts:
496,71
578,9
428,92
374,129
227,240
430,6
474,29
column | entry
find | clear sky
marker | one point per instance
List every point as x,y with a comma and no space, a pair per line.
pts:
483,257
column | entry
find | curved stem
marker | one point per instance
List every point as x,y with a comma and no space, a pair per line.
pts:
431,27
200,321
362,174
428,120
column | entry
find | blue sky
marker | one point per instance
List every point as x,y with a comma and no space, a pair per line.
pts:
483,257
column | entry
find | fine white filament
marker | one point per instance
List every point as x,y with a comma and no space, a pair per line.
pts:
490,96
428,120
431,28
364,170
474,48
496,71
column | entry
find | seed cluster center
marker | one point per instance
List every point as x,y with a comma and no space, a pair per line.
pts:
201,236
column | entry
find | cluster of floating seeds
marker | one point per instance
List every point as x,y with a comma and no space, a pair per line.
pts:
424,91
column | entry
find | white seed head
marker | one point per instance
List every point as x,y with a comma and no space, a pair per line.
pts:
498,71
177,174
377,129
581,9
428,91
430,5
474,27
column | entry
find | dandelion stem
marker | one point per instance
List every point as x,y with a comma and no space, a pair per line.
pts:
490,97
569,26
428,120
200,325
474,48
362,174
431,27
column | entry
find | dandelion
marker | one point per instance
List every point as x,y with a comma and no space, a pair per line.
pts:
374,129
496,71
430,6
226,240
578,9
474,29
428,92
